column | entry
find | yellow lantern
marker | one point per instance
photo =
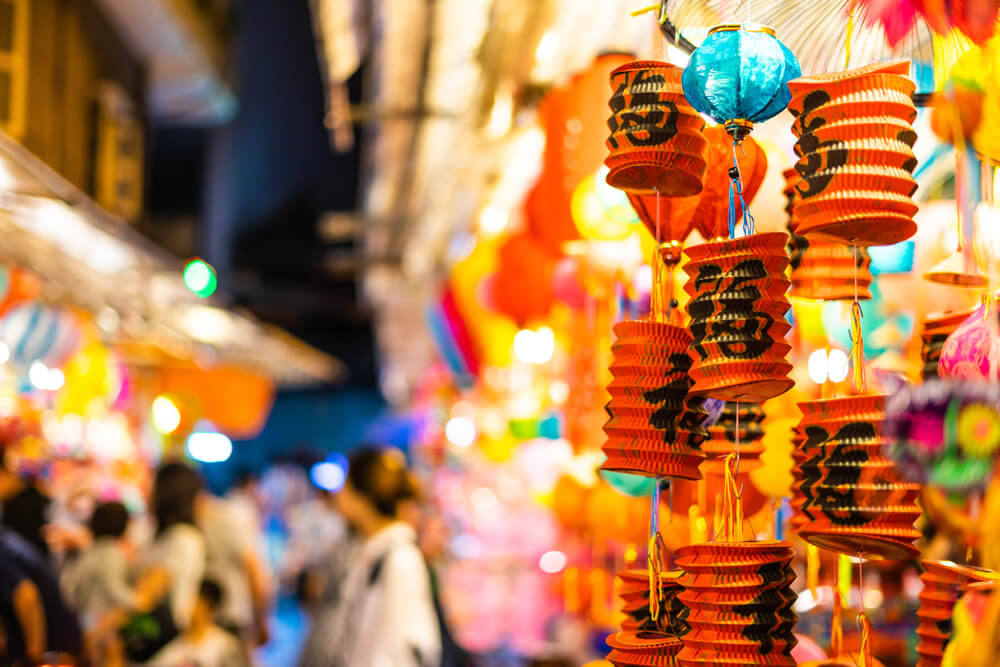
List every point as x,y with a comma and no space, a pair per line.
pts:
600,212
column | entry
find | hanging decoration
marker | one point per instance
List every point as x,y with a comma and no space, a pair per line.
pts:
966,352
638,608
944,582
852,497
656,144
935,330
737,310
832,272
739,76
655,426
522,285
855,148
724,434
945,433
35,331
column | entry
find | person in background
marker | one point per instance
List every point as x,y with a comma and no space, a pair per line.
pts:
233,562
34,617
95,581
203,643
24,507
386,614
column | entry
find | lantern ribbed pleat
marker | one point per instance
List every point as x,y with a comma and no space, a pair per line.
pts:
850,495
656,142
855,148
740,599
737,308
944,582
722,438
934,332
634,649
634,594
655,426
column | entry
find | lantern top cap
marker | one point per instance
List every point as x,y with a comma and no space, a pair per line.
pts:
748,27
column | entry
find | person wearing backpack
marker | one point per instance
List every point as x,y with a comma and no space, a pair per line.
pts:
386,614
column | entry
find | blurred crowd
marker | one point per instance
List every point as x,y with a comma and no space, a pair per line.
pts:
192,580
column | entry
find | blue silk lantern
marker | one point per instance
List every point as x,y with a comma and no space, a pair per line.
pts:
739,76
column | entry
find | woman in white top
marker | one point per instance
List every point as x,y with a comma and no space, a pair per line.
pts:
386,616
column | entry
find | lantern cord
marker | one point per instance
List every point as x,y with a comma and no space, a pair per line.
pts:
736,193
864,625
732,507
850,34
857,347
654,560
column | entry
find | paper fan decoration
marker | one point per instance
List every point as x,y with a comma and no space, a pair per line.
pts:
850,494
944,582
722,437
945,433
817,31
856,159
656,143
935,330
737,310
740,599
655,426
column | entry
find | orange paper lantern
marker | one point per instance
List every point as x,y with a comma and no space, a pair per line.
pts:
849,493
237,401
740,599
634,649
656,142
655,426
723,433
944,582
522,285
934,332
855,144
634,594
737,310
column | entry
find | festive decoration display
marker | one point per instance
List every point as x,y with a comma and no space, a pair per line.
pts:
655,427
656,144
944,583
855,139
945,433
934,332
739,76
851,496
740,601
739,423
737,310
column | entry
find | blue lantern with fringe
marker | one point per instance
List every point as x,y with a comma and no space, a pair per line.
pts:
739,76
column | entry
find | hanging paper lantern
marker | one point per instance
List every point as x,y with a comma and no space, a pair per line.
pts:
17,285
656,144
600,218
855,148
37,332
633,649
739,76
944,582
851,494
832,272
737,310
740,599
966,351
573,119
935,330
522,287
723,433
634,593
655,426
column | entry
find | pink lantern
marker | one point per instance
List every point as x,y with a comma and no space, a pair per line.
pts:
966,352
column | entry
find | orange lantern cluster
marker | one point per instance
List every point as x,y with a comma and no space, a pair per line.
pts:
934,332
849,493
723,434
737,310
944,582
634,593
740,599
855,147
656,144
655,426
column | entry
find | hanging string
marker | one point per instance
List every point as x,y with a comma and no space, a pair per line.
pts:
864,625
654,560
857,339
656,297
736,195
732,508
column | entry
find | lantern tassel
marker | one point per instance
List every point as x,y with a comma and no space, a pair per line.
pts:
857,347
865,630
736,196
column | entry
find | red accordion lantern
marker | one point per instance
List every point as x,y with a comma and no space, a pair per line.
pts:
739,600
737,310
797,519
855,147
634,593
944,582
656,144
934,332
722,437
849,493
655,427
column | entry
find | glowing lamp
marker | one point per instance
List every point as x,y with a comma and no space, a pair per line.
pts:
209,447
200,278
166,415
598,214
